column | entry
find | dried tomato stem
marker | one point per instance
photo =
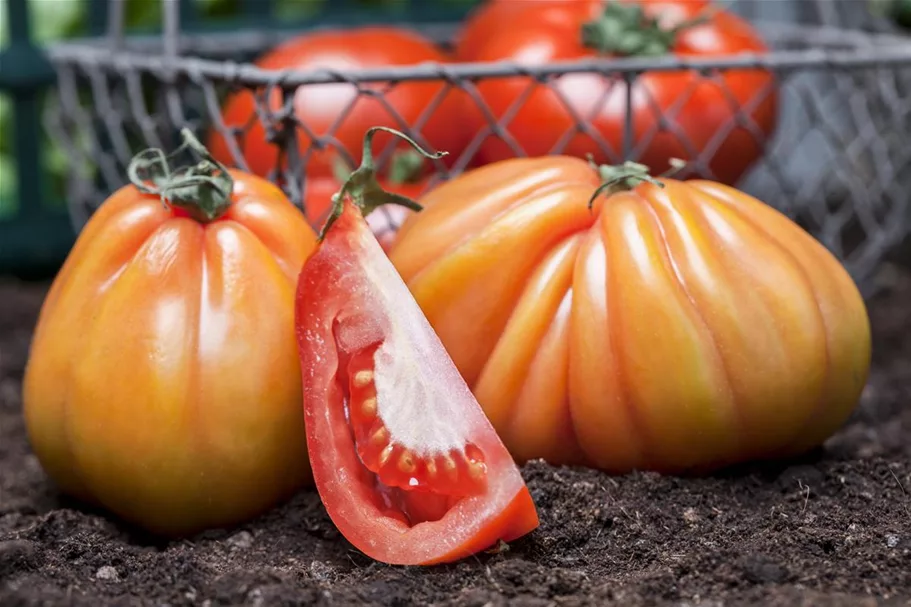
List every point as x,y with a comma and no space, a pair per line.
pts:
362,186
203,190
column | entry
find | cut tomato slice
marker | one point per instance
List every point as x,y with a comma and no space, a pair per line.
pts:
406,463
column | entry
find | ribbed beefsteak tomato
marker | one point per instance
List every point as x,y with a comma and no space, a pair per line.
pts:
722,119
163,381
340,110
408,467
675,328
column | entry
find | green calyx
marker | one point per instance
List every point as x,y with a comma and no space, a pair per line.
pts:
627,176
362,185
203,190
623,29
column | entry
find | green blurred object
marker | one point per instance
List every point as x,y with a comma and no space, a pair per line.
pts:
897,11
8,178
35,231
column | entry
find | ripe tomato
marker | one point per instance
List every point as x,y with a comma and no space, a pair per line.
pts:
404,177
321,107
673,329
163,382
408,467
675,114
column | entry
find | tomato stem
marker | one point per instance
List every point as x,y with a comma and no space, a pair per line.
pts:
362,185
627,176
404,167
623,29
203,190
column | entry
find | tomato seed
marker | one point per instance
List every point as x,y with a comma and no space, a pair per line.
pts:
406,463
368,407
477,470
449,466
363,378
386,453
380,437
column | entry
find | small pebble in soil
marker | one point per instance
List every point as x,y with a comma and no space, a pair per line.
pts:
107,574
891,540
691,516
320,571
241,540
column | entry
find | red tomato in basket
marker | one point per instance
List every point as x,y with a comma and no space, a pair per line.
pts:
675,329
163,381
406,463
675,114
338,108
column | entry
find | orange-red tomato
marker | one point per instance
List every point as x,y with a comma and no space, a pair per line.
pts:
677,328
163,382
723,119
343,110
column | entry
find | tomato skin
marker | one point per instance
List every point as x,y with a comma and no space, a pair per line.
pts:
163,380
542,31
344,295
320,106
486,21
678,329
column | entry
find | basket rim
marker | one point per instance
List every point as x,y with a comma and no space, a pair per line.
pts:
838,48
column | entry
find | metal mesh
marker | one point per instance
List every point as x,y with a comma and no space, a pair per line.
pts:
837,161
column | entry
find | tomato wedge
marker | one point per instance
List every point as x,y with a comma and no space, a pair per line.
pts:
406,463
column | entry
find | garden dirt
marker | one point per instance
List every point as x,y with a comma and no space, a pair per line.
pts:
830,529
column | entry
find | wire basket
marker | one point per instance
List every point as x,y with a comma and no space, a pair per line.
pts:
837,161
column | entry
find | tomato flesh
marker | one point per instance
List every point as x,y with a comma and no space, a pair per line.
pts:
407,465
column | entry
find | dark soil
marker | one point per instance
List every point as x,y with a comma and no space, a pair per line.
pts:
832,529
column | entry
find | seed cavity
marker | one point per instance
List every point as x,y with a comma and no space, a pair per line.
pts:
448,474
